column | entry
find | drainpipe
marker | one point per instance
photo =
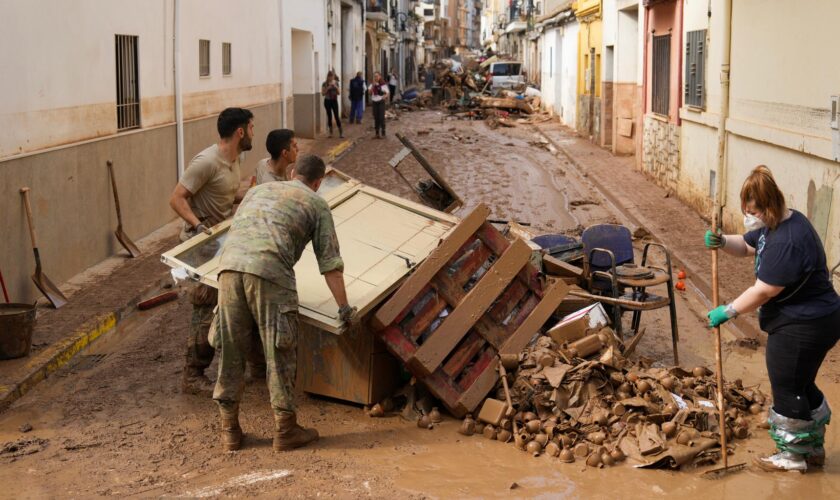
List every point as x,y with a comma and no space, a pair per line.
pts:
720,177
179,104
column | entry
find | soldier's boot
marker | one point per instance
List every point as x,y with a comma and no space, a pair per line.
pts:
231,432
195,382
288,435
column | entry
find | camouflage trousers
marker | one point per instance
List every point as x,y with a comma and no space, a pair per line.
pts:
199,351
248,302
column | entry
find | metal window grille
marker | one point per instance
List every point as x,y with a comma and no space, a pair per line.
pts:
695,69
128,88
204,58
661,74
225,58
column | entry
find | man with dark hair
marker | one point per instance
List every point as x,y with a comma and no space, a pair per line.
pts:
357,98
282,146
257,289
204,197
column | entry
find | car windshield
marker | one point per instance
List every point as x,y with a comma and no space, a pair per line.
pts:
506,69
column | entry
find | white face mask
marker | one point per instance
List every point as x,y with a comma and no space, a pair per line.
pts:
751,222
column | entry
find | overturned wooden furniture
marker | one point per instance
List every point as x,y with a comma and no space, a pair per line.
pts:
475,297
434,192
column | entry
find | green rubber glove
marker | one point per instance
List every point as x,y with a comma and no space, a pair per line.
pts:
714,240
718,316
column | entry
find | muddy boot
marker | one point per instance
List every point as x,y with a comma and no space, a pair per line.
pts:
288,435
231,432
782,461
195,382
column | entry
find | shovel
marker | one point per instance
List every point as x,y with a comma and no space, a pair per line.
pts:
123,238
50,291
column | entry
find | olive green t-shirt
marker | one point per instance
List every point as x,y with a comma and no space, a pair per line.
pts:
213,182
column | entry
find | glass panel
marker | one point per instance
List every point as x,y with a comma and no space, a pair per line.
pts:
201,254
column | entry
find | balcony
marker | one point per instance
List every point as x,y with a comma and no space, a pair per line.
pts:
377,10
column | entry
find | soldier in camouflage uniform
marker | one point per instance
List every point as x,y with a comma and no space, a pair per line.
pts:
257,289
203,197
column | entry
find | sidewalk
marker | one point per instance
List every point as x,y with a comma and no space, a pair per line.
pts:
672,223
103,295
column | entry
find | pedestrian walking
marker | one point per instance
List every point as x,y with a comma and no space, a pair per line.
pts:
799,310
357,98
283,150
378,93
257,289
203,198
393,82
330,89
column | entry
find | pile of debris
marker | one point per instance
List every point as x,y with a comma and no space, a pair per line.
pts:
576,397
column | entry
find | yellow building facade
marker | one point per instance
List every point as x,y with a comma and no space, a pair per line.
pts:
589,15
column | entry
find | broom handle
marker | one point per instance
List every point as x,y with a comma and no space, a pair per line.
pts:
718,355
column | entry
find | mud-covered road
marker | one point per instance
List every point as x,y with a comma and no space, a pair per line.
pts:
115,424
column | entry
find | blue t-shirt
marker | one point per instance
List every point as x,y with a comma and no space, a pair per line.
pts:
792,256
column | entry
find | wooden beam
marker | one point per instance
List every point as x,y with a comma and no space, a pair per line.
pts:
429,268
478,390
551,299
477,301
433,173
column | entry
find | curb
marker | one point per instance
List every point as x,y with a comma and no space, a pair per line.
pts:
59,354
740,327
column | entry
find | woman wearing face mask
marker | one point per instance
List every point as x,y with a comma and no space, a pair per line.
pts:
800,311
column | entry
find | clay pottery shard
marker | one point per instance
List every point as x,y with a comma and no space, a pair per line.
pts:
741,432
566,440
669,429
759,398
601,418
701,390
533,426
668,382
617,378
607,459
541,438
479,427
670,409
552,450
567,456
617,455
504,435
489,432
618,409
642,386
625,388
581,450
534,448
686,437
632,377
506,424
623,395
596,437
755,408
387,405
435,416
586,346
546,360
377,411
617,427
468,425
424,422
700,371
521,440
593,460
529,415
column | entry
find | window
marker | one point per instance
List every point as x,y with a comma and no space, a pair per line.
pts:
225,58
505,69
128,88
695,68
204,58
661,74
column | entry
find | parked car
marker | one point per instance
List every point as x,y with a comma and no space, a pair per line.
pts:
506,74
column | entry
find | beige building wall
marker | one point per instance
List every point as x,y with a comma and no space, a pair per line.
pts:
781,88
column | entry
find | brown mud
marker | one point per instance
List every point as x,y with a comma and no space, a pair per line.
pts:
115,424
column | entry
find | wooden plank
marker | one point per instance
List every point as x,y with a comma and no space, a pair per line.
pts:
424,318
471,264
470,398
396,343
400,156
433,173
427,270
458,323
472,374
508,300
463,354
443,389
561,268
497,243
454,294
553,296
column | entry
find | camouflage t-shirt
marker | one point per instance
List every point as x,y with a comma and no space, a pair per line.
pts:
272,226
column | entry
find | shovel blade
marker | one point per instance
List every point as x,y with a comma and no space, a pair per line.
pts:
126,242
722,471
50,291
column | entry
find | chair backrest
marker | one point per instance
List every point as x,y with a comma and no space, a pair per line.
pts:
613,237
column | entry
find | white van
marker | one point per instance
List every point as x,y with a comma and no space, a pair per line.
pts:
506,74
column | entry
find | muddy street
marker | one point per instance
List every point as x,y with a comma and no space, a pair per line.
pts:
114,422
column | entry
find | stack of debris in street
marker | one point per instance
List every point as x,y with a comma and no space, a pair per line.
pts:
574,395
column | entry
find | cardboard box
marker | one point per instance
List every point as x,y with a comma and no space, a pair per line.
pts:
575,325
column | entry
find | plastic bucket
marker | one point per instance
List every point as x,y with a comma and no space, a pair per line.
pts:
17,321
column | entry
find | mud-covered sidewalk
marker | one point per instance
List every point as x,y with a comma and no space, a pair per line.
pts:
113,422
